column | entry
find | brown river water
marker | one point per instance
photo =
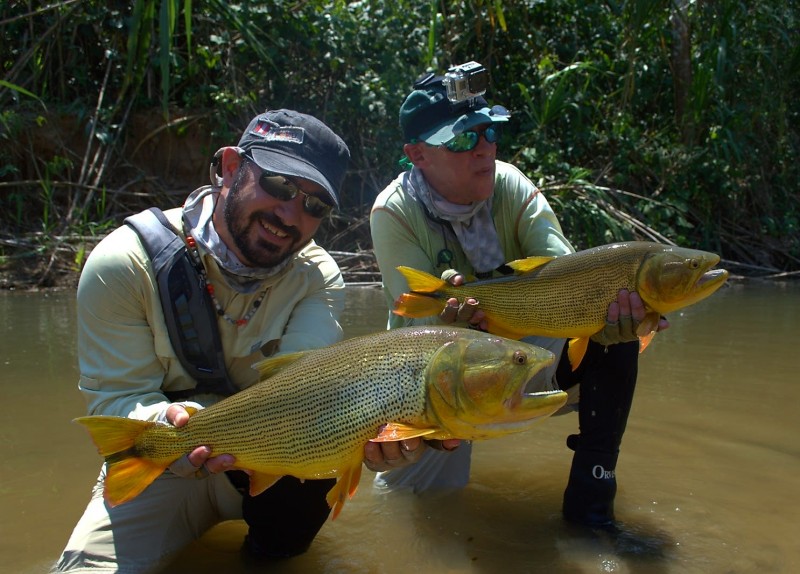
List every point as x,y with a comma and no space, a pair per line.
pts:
709,475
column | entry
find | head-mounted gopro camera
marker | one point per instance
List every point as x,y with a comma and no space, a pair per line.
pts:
465,82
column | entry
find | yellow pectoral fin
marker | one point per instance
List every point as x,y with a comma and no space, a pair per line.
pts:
268,367
522,266
345,487
420,281
644,340
400,431
414,306
259,482
577,350
647,330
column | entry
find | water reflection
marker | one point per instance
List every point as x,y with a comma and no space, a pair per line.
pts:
708,472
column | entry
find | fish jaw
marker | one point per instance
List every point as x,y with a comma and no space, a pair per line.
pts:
476,387
677,277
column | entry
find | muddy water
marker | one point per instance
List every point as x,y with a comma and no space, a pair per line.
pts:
708,476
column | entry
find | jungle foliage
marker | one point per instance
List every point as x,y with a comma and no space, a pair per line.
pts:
665,120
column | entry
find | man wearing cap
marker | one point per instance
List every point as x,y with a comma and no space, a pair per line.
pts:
460,212
273,290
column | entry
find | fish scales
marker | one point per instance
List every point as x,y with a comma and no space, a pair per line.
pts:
295,430
557,306
568,296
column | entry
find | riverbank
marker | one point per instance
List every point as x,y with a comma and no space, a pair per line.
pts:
38,262
25,267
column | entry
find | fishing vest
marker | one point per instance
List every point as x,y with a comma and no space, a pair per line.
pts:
188,311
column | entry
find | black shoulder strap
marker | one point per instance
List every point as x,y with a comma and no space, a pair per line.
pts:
188,311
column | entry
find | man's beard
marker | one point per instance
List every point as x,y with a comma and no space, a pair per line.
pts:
258,253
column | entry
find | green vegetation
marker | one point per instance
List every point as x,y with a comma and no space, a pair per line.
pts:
673,121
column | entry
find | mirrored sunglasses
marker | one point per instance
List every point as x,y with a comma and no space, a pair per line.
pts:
466,141
282,189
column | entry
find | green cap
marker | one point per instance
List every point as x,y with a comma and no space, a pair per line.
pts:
427,115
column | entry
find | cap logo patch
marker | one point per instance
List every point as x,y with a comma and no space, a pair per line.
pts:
272,132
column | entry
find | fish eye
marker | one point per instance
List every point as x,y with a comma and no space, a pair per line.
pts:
520,358
694,264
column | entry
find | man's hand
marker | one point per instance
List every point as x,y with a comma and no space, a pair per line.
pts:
624,317
465,312
198,463
382,456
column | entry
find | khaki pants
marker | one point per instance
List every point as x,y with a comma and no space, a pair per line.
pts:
143,534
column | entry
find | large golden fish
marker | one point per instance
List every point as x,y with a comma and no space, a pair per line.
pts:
314,411
568,296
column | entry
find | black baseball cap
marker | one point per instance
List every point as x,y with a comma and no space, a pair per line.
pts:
291,143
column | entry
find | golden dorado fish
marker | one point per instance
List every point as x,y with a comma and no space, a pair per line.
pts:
312,413
568,296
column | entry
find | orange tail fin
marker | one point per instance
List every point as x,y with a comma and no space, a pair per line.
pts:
127,474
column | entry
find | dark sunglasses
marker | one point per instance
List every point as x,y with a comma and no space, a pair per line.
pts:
281,188
466,141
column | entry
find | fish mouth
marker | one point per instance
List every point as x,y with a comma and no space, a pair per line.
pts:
528,407
711,278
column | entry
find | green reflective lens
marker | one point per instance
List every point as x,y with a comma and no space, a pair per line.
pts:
467,141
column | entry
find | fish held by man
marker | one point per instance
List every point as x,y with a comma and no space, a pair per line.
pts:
568,296
312,412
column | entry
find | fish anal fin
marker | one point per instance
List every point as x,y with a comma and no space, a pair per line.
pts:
260,481
346,486
268,367
399,431
522,266
576,350
415,306
421,282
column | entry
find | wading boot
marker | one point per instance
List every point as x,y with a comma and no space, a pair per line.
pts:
590,492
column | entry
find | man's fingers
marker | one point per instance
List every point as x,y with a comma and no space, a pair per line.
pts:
177,415
199,456
467,310
623,299
613,312
450,312
638,312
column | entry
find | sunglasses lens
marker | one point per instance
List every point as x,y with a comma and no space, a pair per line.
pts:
315,207
492,134
464,141
281,188
278,187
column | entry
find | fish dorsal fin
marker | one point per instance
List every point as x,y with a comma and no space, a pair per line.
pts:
400,431
268,367
522,266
